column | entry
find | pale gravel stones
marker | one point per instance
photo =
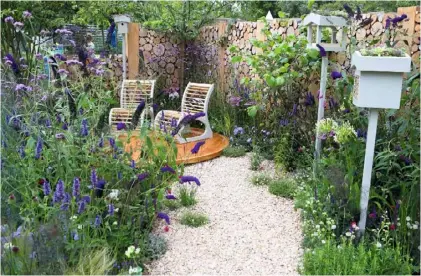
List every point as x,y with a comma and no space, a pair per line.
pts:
250,231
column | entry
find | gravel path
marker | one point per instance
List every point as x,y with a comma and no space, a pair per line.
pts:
250,231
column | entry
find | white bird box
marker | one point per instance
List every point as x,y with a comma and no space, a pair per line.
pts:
122,21
378,80
269,16
333,22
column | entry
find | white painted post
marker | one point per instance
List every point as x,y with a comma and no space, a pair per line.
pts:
124,56
309,34
321,110
368,166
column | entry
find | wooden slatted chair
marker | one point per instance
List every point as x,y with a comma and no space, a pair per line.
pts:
132,93
195,99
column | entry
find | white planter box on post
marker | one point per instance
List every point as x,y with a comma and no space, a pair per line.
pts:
378,80
377,84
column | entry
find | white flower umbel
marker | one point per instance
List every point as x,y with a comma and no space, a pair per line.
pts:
378,245
345,133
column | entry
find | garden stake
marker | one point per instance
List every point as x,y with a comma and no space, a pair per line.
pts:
368,166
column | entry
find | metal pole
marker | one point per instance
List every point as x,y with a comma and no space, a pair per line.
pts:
321,110
123,44
368,166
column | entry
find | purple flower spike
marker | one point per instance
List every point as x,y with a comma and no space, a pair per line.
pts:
84,128
65,202
186,178
167,168
47,188
27,14
164,217
87,199
76,187
59,193
196,147
38,148
111,209
99,189
336,75
97,221
9,19
322,50
81,207
121,125
170,197
94,178
388,20
133,164
142,176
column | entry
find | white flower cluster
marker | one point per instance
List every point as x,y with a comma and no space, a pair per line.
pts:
413,226
345,133
131,251
325,126
135,270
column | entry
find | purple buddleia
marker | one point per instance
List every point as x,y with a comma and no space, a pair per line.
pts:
94,178
76,187
38,149
170,197
186,178
121,126
46,188
164,217
322,50
167,168
84,128
197,146
336,75
186,120
111,209
142,176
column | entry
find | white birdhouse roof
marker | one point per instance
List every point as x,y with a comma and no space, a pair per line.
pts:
269,16
321,20
121,18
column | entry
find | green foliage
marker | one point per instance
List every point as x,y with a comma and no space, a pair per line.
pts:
234,151
172,204
367,259
261,179
156,246
193,219
187,195
255,160
97,262
283,187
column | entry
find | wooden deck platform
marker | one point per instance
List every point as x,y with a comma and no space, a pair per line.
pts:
211,149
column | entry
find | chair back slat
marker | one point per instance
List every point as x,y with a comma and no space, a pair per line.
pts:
134,91
196,97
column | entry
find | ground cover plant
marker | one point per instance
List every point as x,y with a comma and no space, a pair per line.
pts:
193,219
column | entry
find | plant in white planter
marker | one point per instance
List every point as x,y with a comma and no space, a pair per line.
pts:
378,77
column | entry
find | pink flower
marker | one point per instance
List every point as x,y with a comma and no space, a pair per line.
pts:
9,19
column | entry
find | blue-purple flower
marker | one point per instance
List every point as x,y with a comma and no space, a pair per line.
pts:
170,197
59,193
164,217
97,222
76,187
94,178
322,50
111,209
121,125
27,14
9,19
11,61
65,202
197,146
238,131
60,57
46,187
38,149
336,75
99,188
18,25
84,128
112,142
81,206
142,176
186,178
133,164
167,168
309,99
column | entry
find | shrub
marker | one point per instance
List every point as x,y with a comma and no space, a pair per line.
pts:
261,179
256,160
187,195
283,187
194,219
234,151
156,246
349,259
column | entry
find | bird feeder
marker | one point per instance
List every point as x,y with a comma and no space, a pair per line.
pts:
377,84
313,41
378,80
122,22
320,22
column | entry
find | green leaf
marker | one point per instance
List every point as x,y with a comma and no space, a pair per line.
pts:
310,4
281,14
236,59
280,81
270,80
245,80
252,111
313,53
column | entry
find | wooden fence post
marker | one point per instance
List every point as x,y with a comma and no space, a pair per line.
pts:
222,85
133,51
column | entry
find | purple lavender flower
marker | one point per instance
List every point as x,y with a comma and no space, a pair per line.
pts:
65,202
39,56
84,128
238,131
47,188
336,75
21,151
76,187
164,217
388,20
173,122
170,197
167,168
155,107
64,126
284,122
398,19
99,189
60,57
361,133
133,164
38,149
332,103
63,31
94,178
9,19
186,120
97,222
59,193
112,142
87,199
234,100
322,50
309,100
142,176
27,14
294,110
197,146
111,209
121,125
186,178
81,206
